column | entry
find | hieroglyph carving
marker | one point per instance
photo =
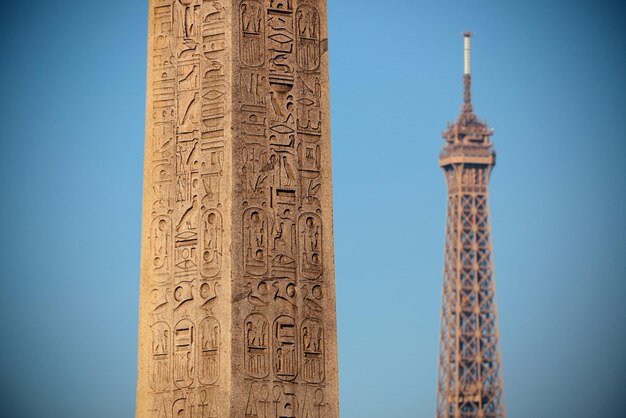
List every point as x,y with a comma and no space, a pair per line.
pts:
280,140
185,194
237,286
285,400
283,244
195,404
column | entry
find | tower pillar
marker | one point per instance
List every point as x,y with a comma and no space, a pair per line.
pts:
469,379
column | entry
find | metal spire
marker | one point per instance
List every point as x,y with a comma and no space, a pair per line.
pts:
468,129
467,77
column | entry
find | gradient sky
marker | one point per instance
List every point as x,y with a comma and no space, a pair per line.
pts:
549,76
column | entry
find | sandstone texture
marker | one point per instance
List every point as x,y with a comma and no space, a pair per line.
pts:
237,296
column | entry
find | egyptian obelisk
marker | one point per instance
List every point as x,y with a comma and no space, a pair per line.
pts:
237,295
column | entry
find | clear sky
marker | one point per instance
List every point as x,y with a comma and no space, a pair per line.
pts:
549,76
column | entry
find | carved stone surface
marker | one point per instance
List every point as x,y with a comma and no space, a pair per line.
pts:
237,307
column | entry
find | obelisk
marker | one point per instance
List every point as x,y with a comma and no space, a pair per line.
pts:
237,295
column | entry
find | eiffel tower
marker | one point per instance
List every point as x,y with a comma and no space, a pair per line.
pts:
469,382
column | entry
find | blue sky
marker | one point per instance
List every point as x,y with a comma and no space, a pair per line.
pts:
547,75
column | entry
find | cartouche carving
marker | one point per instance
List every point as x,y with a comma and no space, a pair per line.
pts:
208,372
310,230
284,347
184,361
255,240
161,243
312,334
257,340
308,30
161,348
252,33
211,243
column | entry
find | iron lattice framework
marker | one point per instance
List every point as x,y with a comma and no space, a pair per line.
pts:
469,381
